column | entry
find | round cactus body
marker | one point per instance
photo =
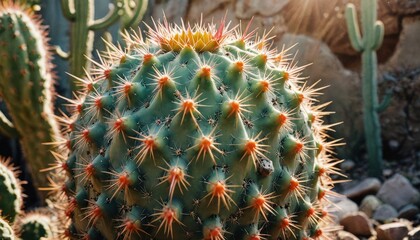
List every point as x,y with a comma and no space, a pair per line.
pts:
10,191
197,133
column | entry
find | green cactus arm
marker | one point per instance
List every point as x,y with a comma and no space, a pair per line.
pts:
353,27
378,32
67,9
385,101
133,16
61,53
6,127
110,18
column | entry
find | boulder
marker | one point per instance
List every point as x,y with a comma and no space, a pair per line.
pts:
408,212
344,207
398,192
385,212
392,231
364,188
369,204
358,224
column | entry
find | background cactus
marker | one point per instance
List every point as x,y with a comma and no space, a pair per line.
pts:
373,34
10,189
36,225
6,231
198,133
26,86
81,15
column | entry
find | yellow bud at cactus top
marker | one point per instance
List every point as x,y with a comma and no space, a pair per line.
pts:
201,38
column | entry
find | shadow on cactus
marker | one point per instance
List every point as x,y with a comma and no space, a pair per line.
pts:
200,132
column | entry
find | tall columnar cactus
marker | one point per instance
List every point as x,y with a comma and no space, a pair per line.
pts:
6,231
26,86
81,15
197,133
373,34
10,191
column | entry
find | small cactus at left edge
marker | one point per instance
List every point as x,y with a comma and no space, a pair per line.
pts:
10,191
199,132
6,231
36,225
26,86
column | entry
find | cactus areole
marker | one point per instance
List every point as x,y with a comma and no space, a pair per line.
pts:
199,132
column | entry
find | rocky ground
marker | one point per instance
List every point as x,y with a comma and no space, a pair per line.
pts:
384,210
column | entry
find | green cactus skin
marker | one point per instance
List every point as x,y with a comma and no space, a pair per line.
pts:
6,231
11,192
36,226
196,133
373,34
26,86
81,15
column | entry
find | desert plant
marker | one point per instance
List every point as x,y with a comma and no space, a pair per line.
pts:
80,13
26,86
6,231
198,133
11,192
373,33
36,225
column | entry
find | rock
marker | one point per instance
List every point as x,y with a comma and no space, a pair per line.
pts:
398,192
343,235
366,187
392,231
347,165
403,67
403,7
369,204
249,8
387,172
200,8
385,212
414,234
358,224
174,10
344,207
408,212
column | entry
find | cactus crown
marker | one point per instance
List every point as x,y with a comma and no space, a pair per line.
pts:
200,37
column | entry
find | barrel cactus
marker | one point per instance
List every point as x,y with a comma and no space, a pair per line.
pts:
199,132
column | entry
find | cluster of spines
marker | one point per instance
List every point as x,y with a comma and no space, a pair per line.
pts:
119,142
